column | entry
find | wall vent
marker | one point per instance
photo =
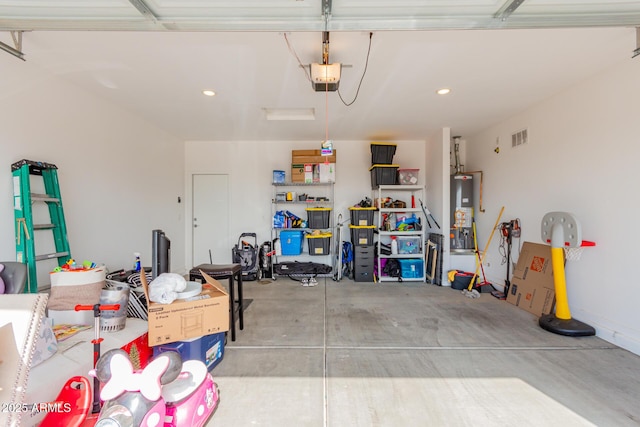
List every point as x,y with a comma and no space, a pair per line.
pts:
519,138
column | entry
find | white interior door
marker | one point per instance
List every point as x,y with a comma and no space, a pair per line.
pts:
210,222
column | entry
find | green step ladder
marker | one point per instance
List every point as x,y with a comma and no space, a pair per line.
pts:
23,205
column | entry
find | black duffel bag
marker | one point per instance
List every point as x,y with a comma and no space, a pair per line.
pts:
298,268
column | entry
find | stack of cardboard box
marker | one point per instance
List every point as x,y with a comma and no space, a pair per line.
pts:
309,166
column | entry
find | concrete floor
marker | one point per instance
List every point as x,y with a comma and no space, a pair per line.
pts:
363,354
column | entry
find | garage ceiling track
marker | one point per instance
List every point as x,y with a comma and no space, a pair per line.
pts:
311,15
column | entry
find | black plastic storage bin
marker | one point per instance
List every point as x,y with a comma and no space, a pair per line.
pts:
362,235
382,153
361,216
318,218
383,175
319,244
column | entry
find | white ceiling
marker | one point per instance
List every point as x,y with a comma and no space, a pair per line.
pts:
156,65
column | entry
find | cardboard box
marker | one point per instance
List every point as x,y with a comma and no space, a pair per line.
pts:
203,314
313,159
297,173
327,172
532,287
313,172
302,173
312,156
305,152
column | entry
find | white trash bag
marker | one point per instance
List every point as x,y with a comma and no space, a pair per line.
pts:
164,289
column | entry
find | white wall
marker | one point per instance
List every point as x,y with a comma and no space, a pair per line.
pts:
437,191
581,157
249,165
119,176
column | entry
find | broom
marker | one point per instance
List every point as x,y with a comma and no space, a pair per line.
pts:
486,248
477,252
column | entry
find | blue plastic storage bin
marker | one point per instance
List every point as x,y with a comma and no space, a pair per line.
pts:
411,268
208,349
291,242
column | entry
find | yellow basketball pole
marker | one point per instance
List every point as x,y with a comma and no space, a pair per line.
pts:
560,284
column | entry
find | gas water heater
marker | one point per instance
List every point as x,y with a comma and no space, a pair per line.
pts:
461,206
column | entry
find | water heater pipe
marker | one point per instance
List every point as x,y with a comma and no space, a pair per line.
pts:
480,208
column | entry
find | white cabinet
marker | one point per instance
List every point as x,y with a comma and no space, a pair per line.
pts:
309,237
406,225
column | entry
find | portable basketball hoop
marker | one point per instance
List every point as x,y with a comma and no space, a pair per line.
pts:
574,254
562,231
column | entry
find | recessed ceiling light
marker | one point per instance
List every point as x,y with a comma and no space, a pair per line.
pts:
443,91
208,92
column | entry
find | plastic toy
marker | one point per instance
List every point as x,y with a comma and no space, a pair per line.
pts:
71,265
563,232
76,393
407,223
73,404
167,392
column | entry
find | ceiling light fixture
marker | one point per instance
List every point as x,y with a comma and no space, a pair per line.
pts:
290,113
208,93
443,91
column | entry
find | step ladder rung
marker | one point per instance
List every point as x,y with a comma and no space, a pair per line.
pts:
51,256
43,226
44,198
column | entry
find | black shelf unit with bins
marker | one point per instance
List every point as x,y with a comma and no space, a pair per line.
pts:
415,261
298,205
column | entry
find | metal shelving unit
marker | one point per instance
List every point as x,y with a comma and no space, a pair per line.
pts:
298,207
405,193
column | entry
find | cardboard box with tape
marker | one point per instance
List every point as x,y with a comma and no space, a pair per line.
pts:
312,156
204,314
532,287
